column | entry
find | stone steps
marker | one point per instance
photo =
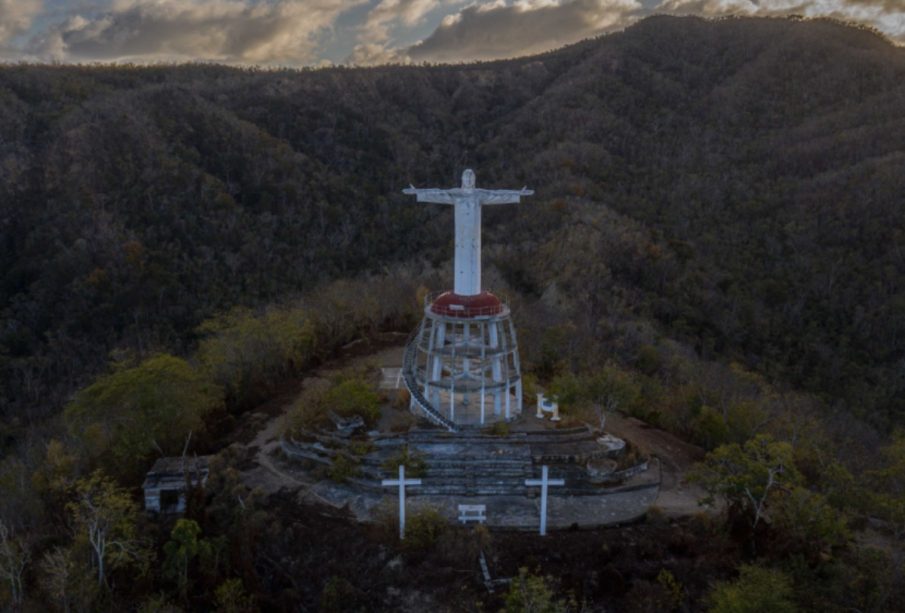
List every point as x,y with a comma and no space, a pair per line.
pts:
500,474
460,464
478,435
482,464
452,490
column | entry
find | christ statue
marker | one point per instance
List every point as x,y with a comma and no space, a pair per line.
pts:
468,201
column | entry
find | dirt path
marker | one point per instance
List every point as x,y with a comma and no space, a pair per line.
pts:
676,498
269,474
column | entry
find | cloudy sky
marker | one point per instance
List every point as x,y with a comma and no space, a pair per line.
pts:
315,32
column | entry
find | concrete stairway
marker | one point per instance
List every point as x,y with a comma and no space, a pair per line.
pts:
408,377
476,476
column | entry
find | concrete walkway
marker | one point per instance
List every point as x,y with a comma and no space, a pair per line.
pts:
512,512
368,502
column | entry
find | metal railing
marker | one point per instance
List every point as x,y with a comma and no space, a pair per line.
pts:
408,377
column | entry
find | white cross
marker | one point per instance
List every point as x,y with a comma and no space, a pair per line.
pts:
401,482
543,482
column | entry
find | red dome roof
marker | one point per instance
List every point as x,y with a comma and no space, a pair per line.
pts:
453,305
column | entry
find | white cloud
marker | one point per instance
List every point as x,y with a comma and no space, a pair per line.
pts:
298,32
506,29
234,31
16,17
711,8
888,16
375,42
387,12
373,54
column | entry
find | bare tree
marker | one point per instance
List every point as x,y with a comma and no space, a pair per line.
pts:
14,558
107,518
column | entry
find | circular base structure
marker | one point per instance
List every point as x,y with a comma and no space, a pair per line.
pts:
462,364
476,468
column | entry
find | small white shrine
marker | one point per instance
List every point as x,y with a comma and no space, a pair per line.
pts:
547,405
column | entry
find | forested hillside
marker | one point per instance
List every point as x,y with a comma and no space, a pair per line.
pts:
736,182
192,254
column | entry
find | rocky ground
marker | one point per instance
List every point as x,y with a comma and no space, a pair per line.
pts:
600,568
271,472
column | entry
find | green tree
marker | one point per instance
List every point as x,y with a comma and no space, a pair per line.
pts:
248,354
593,395
748,476
106,519
128,414
531,594
339,595
343,468
15,555
58,471
158,603
553,347
67,582
672,587
886,497
231,597
756,590
354,397
415,465
709,428
424,528
614,389
805,522
347,397
184,546
20,505
237,514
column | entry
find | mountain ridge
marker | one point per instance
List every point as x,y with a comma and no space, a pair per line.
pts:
138,201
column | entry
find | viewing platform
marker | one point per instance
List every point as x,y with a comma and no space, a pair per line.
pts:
450,304
474,467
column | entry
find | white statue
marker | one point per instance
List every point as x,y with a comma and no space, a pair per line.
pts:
468,201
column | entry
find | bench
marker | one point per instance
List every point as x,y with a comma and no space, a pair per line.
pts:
472,512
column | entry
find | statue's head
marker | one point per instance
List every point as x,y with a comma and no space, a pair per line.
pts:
468,179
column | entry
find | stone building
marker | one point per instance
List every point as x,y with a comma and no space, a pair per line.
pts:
166,484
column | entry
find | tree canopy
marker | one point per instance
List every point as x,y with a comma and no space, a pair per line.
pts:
741,193
125,416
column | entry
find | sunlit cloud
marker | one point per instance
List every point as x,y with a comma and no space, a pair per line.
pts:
375,44
402,12
16,17
887,16
506,29
233,31
502,28
373,54
360,32
728,7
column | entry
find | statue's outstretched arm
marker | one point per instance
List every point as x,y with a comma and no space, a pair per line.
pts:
439,196
503,196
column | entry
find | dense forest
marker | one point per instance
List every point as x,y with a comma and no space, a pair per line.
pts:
716,229
760,160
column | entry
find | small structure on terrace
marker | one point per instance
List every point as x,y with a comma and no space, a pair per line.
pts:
168,481
461,365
